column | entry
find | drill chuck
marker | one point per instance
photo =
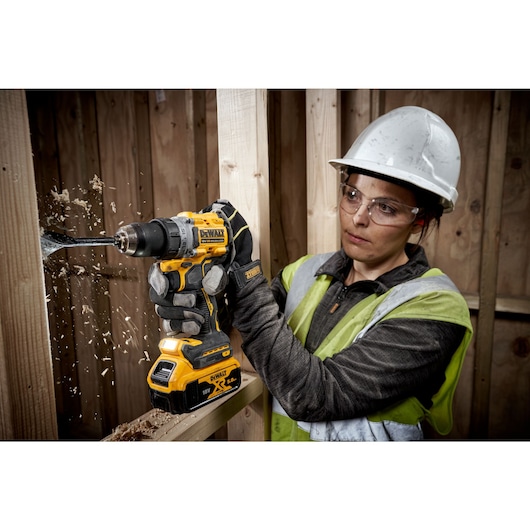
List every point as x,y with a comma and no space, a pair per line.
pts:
159,238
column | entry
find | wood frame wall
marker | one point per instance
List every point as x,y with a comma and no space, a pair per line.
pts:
159,152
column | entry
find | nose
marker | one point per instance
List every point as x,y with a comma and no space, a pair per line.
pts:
362,216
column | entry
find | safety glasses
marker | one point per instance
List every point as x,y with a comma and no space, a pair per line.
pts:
382,211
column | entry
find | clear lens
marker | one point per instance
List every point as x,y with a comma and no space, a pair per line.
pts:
382,211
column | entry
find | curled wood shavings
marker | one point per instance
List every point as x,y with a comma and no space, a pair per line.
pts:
83,204
97,184
63,197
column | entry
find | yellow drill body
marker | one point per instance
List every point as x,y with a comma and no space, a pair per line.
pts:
190,372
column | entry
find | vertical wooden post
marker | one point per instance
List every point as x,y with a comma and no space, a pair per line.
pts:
244,181
27,401
323,144
244,162
489,265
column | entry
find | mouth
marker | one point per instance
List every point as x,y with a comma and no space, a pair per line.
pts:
356,239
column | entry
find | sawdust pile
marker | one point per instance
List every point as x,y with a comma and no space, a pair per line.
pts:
140,429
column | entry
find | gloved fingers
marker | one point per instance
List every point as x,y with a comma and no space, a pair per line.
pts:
179,313
185,328
163,282
184,299
166,300
215,280
158,280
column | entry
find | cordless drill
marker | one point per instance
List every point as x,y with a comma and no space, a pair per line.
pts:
190,372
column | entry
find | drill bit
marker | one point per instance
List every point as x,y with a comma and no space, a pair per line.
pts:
50,242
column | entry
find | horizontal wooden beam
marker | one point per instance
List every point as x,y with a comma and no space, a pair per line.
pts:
503,304
156,425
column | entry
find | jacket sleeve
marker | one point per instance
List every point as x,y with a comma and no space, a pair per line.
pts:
396,359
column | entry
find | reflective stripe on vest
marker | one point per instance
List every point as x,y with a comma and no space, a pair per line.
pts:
435,297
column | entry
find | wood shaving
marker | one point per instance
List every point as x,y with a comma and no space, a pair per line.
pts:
83,204
140,430
63,197
97,184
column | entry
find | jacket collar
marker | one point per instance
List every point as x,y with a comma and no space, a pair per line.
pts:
339,265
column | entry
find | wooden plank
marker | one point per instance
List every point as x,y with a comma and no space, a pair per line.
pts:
509,406
171,118
288,194
212,146
323,144
198,425
243,162
27,404
123,204
489,265
244,180
78,164
355,113
513,279
503,304
198,146
42,116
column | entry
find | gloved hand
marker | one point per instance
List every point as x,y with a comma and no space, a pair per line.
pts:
242,238
177,309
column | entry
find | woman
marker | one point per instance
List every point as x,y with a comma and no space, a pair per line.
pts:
366,342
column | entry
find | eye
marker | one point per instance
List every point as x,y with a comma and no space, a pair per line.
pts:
387,207
351,194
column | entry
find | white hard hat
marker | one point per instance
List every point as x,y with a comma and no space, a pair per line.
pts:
410,144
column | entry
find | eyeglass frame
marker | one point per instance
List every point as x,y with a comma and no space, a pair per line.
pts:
414,210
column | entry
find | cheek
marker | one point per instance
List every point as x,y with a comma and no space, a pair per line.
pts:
344,218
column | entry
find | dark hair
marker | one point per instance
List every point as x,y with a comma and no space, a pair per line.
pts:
431,211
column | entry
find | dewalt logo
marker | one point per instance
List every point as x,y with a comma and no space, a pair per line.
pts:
217,375
212,235
252,272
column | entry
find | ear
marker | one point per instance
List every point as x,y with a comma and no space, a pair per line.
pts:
417,227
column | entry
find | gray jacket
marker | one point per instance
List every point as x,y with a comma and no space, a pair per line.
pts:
396,359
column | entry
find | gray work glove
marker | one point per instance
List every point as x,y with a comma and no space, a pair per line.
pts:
178,308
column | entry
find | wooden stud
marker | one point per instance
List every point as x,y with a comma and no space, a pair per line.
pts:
27,398
244,181
489,265
323,144
243,162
